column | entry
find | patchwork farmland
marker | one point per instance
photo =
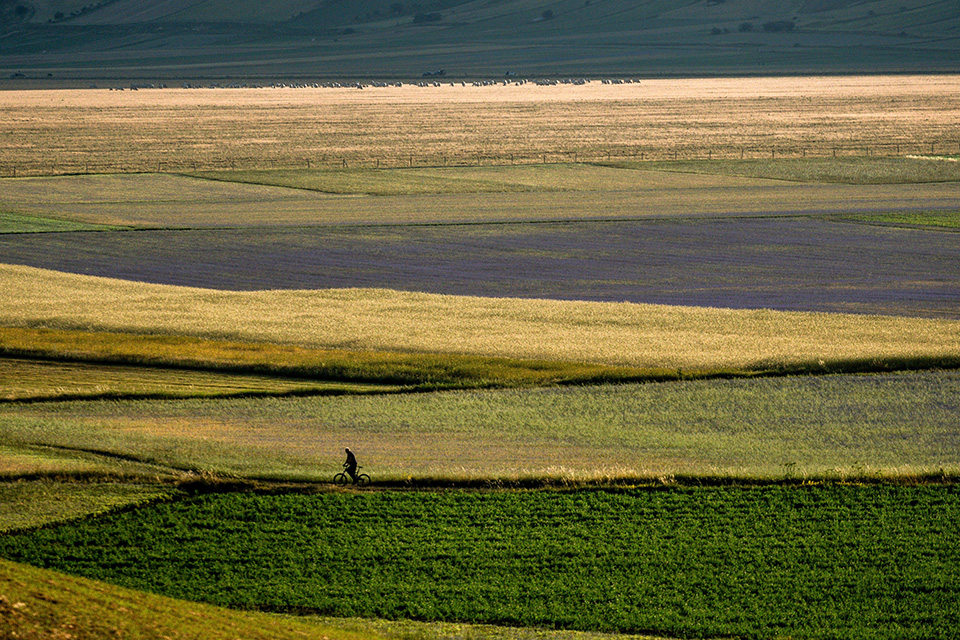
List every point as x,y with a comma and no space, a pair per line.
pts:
624,351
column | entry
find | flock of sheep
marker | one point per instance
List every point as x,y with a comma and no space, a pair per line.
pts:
379,84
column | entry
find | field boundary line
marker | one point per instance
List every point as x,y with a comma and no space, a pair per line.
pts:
943,150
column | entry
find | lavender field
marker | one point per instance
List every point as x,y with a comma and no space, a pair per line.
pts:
786,263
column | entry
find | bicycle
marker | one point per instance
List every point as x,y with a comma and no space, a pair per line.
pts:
342,479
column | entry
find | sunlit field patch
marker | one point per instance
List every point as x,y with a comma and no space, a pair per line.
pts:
37,603
934,219
652,336
199,367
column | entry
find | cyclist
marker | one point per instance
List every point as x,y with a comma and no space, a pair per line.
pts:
350,466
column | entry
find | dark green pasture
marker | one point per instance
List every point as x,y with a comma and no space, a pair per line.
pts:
816,561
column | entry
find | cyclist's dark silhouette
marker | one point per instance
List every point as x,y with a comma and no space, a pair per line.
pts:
351,465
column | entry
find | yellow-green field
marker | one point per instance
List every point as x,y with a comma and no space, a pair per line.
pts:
26,503
896,426
659,337
457,195
33,380
35,603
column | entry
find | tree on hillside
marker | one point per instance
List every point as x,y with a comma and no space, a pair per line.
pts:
779,26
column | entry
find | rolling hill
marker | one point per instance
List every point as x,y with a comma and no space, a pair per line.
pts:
62,41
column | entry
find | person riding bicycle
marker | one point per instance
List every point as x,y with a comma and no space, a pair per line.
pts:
350,466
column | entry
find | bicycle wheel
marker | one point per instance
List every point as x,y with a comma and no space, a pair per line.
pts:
341,479
363,479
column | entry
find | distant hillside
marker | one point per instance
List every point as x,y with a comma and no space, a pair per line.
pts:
147,40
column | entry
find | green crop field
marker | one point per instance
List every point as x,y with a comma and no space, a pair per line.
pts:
39,602
19,223
828,561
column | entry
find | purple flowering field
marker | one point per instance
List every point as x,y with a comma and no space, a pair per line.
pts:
787,263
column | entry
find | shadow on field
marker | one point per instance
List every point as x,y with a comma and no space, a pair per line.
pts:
212,484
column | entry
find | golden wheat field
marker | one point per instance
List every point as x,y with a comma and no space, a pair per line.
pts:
64,131
611,333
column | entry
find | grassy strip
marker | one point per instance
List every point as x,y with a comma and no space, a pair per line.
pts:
25,504
503,178
24,380
923,219
380,182
821,561
422,371
36,603
843,170
901,425
20,460
426,371
18,223
614,175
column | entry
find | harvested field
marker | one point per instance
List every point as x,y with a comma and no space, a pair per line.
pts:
48,132
788,263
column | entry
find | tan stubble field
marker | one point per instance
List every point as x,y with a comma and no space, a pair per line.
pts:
101,130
